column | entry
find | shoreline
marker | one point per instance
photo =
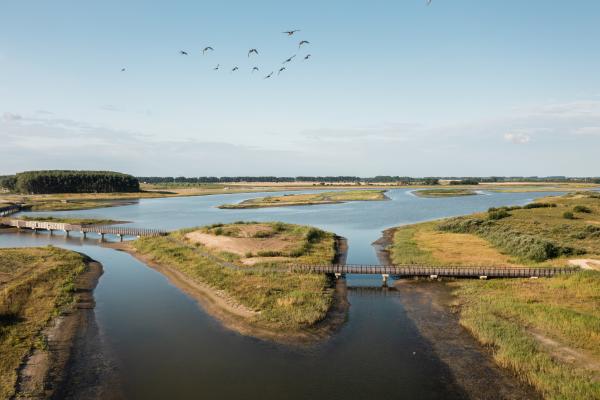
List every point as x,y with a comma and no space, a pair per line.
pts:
45,371
236,317
432,308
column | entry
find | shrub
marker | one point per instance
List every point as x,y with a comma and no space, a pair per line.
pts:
582,209
313,235
522,245
498,214
218,231
539,205
568,215
262,234
269,253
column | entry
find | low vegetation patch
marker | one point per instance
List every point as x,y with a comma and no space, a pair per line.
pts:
310,199
283,300
545,330
444,192
36,284
535,234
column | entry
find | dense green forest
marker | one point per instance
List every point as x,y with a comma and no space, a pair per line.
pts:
41,182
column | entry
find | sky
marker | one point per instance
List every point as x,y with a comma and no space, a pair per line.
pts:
456,88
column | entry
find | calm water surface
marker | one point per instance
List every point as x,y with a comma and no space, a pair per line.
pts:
168,347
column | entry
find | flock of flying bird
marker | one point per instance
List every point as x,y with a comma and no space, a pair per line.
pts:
254,52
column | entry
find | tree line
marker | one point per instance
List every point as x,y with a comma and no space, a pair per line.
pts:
58,181
455,180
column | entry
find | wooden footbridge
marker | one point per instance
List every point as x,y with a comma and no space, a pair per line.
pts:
7,210
84,230
405,271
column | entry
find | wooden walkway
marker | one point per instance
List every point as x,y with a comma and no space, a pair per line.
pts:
84,229
5,211
433,272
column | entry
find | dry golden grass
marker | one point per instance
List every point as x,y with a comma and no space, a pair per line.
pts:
460,249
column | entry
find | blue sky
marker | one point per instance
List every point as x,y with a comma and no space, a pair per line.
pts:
461,87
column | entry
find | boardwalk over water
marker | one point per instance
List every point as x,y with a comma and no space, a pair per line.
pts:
84,229
482,272
7,210
433,272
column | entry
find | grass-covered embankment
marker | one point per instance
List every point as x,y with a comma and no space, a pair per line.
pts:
310,199
546,330
548,232
36,284
433,193
277,301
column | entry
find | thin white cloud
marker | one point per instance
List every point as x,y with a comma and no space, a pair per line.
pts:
11,117
517,137
588,130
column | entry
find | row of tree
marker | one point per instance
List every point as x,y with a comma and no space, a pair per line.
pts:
57,181
238,179
379,179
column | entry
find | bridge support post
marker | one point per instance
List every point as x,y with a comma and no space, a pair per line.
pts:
66,233
120,237
83,234
51,232
102,237
385,277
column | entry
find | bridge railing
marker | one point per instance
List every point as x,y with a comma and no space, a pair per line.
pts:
5,211
427,271
99,229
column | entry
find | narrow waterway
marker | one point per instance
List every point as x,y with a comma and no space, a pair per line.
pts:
166,346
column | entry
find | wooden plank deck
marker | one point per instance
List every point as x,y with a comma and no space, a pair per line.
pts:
427,271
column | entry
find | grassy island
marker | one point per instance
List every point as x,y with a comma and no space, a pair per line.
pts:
545,330
241,268
36,285
310,199
434,193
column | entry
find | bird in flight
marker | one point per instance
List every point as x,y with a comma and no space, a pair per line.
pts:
252,51
428,2
122,69
255,69
307,57
280,70
234,69
217,67
290,33
183,53
268,76
289,59
207,48
303,42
